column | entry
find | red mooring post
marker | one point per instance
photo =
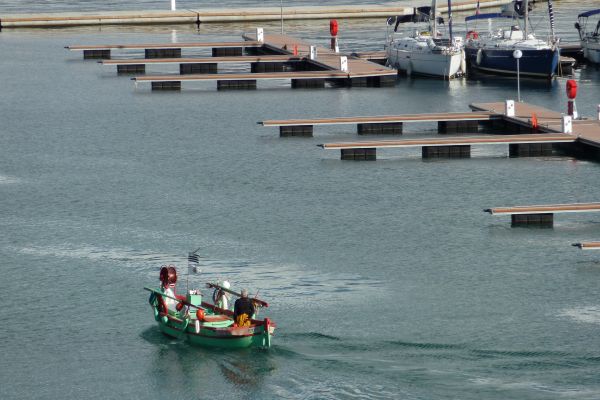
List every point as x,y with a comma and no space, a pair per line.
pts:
571,94
333,30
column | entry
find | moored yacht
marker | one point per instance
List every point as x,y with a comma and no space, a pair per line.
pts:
590,37
492,52
425,52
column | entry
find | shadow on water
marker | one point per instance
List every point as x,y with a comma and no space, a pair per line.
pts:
177,360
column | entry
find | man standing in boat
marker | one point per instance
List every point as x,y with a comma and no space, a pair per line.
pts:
243,310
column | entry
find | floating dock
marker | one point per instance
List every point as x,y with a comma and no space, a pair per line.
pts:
534,131
205,64
221,15
168,50
588,245
384,124
319,65
541,214
454,147
587,131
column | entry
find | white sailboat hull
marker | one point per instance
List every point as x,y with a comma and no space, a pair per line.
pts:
591,50
425,63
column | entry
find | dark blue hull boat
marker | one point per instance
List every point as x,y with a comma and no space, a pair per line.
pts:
535,63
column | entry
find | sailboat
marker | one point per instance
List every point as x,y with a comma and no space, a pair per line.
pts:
590,38
425,52
493,52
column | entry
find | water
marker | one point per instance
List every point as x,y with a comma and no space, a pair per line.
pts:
386,279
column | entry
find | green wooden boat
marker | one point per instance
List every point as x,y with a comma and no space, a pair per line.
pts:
202,323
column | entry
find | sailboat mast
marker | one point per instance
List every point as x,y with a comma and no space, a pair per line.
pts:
433,25
450,19
526,5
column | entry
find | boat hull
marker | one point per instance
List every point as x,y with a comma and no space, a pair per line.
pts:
216,337
428,64
534,63
591,50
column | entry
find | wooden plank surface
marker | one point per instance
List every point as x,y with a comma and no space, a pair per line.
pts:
326,58
587,131
588,245
546,209
426,117
243,77
454,141
163,45
204,60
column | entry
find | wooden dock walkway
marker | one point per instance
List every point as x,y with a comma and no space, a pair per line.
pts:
204,60
425,117
541,214
441,147
588,245
211,15
381,124
587,131
326,67
163,45
164,50
204,65
544,209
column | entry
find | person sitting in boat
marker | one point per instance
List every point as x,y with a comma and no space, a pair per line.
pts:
170,297
243,310
220,297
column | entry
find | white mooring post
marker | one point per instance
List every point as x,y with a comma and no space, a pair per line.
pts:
344,63
313,53
260,35
567,124
173,5
509,108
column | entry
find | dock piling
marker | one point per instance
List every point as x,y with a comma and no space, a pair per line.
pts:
166,85
296,130
359,154
163,53
198,68
96,54
131,69
542,220
394,128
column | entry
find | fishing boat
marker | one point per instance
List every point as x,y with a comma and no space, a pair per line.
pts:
188,317
493,52
425,52
590,37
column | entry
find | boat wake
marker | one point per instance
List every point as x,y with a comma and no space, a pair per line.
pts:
588,315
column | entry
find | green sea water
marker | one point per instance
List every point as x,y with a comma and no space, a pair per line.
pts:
386,279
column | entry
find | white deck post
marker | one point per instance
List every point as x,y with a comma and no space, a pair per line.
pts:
344,63
173,5
509,108
313,52
567,124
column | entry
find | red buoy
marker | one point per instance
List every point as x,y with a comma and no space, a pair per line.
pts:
200,314
571,89
333,27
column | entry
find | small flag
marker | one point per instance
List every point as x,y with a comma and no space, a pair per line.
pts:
477,9
193,263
